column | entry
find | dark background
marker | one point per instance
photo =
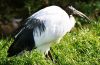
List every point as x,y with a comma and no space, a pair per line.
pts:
21,9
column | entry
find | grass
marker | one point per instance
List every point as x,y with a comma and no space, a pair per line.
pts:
79,47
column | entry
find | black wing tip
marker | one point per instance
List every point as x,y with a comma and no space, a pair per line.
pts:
13,51
10,53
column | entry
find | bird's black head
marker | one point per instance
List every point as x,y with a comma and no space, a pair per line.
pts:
72,11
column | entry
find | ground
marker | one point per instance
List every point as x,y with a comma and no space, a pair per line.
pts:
81,46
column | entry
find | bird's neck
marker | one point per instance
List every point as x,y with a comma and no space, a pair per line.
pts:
72,20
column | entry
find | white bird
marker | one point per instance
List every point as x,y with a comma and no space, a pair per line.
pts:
43,27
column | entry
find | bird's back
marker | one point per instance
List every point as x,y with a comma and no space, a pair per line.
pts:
50,10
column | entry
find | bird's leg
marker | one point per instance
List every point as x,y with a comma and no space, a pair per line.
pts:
51,58
48,55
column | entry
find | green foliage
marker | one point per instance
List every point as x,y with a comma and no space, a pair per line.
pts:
79,47
24,8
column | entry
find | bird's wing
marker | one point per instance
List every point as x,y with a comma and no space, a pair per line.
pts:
25,39
33,24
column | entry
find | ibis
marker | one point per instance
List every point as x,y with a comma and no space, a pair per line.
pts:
42,28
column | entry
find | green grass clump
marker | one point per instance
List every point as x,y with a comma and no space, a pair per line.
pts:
79,47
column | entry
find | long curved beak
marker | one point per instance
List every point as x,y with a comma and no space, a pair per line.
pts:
76,12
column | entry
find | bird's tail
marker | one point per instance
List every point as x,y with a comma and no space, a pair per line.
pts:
22,42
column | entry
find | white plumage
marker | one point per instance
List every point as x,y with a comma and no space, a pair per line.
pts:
43,27
57,23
